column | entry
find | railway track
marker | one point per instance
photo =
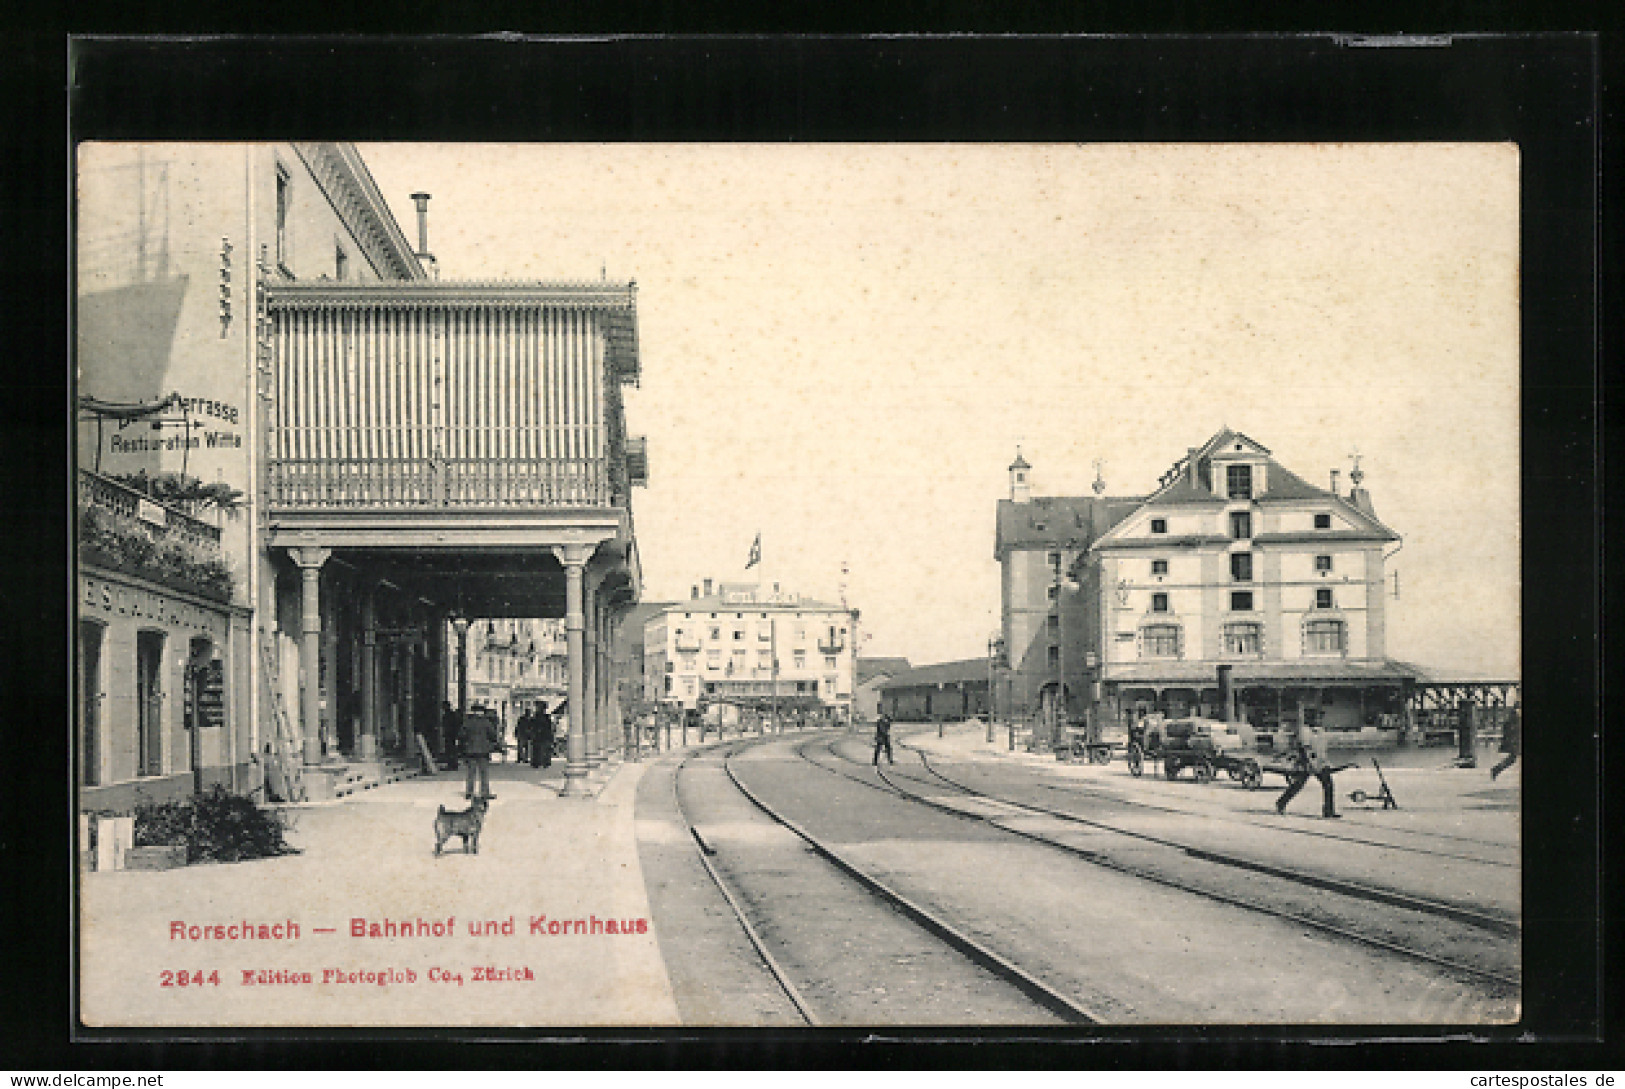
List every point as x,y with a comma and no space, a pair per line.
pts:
958,963
1413,918
1408,848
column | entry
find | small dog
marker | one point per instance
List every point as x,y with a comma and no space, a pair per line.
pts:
465,823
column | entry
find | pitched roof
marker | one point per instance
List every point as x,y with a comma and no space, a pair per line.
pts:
1281,485
1058,521
965,669
870,668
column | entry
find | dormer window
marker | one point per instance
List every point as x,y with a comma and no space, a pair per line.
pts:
1159,525
1238,481
1323,521
1159,567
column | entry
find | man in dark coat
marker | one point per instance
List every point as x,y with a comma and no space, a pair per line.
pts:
541,738
883,738
1309,758
1511,742
523,733
481,737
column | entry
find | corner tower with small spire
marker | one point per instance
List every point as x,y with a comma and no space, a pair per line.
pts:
1020,486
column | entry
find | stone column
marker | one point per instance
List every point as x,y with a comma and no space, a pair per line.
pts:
310,562
574,559
461,625
589,706
366,747
409,683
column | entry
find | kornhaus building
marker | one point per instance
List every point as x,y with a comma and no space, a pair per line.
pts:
1239,582
362,462
749,644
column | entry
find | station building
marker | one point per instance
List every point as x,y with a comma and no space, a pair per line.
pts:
371,462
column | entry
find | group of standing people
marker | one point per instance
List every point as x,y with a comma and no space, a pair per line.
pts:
534,736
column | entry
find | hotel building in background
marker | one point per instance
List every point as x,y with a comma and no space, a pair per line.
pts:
746,643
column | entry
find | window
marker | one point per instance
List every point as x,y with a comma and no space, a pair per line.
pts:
1159,603
1054,624
716,633
341,263
1241,601
1323,563
1323,598
1241,567
801,659
1161,641
1241,525
1323,637
764,659
1323,521
1055,559
1054,655
1159,525
1239,481
830,662
738,634
1159,567
1051,591
282,254
713,659
1243,640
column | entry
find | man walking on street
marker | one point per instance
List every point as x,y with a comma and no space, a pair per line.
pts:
1309,758
883,738
523,735
541,738
481,738
1511,742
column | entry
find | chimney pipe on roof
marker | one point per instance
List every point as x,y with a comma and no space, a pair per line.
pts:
1190,461
1334,481
707,587
693,593
422,201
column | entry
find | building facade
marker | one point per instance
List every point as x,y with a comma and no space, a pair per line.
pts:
1049,630
873,673
942,692
412,457
1238,589
744,643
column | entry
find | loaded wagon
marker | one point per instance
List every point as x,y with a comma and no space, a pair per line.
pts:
1205,746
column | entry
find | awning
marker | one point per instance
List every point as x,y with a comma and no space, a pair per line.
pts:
1305,671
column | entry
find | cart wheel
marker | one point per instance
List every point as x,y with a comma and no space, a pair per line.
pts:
1170,768
1136,761
1233,771
1100,754
1202,772
1357,797
1251,776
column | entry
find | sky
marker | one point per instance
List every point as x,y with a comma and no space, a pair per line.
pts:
844,345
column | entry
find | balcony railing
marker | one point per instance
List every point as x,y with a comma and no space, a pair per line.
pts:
351,483
156,519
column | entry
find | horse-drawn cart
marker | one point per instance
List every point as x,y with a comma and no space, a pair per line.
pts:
1204,746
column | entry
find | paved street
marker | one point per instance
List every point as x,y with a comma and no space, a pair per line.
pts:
1124,929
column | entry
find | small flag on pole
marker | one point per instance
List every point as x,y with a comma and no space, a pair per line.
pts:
755,552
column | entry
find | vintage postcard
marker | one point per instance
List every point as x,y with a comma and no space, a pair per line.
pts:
778,585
